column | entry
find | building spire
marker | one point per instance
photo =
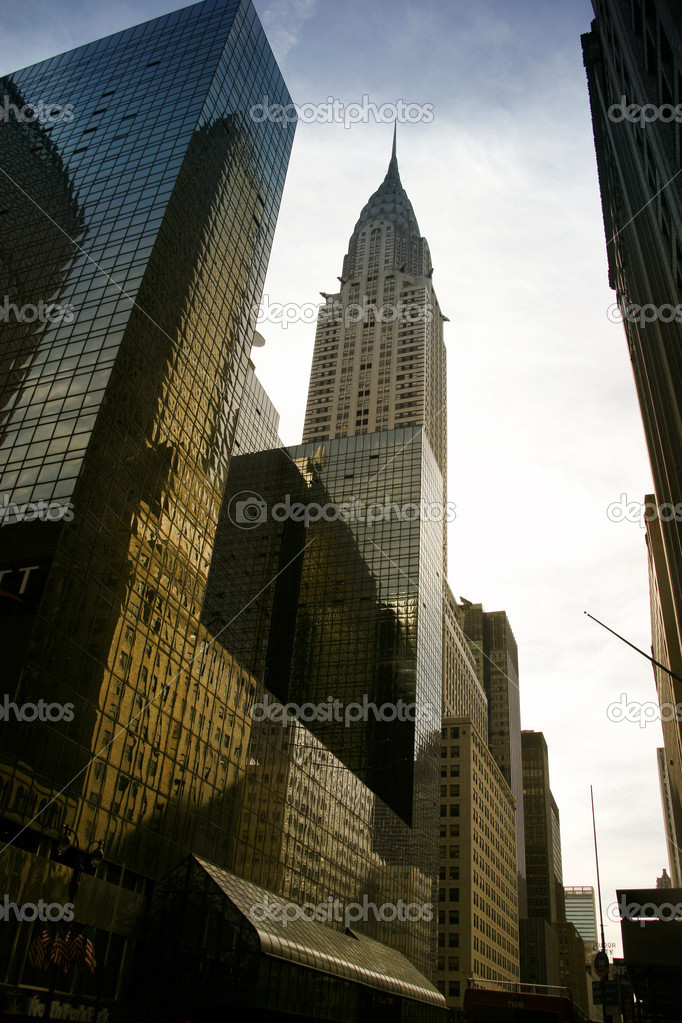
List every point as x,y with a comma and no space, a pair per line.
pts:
393,156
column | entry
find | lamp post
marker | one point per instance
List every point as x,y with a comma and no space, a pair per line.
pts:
90,858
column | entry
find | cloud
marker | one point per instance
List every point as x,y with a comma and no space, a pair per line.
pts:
283,23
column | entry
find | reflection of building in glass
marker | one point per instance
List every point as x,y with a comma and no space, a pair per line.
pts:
31,273
478,934
128,413
342,618
269,959
257,419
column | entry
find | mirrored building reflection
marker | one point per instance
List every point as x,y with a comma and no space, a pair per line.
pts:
148,213
119,426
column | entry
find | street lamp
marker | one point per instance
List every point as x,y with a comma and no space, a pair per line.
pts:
90,858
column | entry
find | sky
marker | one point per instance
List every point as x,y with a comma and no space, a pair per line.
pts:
544,430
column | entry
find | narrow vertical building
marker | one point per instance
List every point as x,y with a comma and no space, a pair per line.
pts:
496,655
633,59
478,934
552,951
666,650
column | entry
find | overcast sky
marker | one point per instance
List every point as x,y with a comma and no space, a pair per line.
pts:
544,430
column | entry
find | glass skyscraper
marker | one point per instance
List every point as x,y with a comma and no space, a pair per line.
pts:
145,196
335,550
138,201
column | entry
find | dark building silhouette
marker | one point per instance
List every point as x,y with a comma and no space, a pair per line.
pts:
551,947
633,58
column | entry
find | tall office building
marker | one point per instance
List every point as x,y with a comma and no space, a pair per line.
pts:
122,413
379,356
671,835
581,911
478,920
463,694
546,935
666,650
135,228
495,652
335,547
633,57
543,845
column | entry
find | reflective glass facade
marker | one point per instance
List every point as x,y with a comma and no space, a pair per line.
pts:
273,968
347,609
123,411
146,214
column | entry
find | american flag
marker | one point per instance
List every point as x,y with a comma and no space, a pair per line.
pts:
38,952
59,954
76,949
89,961
83,951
